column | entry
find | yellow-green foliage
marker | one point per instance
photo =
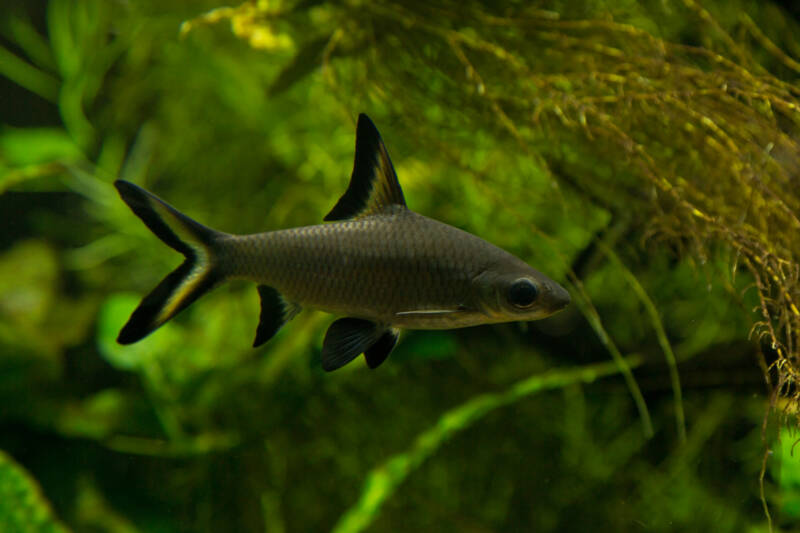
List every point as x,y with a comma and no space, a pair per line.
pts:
696,143
22,508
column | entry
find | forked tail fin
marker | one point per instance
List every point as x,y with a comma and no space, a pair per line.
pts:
196,275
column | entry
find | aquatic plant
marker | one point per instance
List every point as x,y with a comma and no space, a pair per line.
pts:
645,152
684,144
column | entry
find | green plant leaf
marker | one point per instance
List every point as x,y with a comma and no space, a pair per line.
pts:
304,63
384,479
23,508
33,146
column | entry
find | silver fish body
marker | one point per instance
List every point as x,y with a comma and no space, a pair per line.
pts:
378,264
398,268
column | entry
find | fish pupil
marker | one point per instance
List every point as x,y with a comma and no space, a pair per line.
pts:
522,293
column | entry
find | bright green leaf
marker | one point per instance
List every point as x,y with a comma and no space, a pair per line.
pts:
23,508
32,146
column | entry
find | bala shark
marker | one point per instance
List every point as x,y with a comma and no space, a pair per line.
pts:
381,266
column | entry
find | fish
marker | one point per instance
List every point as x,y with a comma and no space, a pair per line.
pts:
375,263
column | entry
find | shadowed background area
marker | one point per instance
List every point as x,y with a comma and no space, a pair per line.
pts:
642,154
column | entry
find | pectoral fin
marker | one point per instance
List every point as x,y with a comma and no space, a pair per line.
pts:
347,338
275,312
378,352
418,313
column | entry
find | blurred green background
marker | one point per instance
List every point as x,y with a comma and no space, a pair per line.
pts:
640,408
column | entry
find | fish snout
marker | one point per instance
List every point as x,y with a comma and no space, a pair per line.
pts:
560,298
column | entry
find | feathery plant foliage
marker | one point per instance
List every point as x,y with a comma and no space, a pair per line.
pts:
701,141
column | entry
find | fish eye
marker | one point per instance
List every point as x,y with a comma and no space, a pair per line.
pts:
522,293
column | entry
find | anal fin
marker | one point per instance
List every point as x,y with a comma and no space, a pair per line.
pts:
378,352
275,312
347,338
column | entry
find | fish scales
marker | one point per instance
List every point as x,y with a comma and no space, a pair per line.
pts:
377,263
370,268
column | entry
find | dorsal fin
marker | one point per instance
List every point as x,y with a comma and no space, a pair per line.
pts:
373,185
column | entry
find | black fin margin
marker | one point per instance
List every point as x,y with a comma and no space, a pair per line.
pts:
275,312
146,318
346,339
193,278
141,203
378,352
373,183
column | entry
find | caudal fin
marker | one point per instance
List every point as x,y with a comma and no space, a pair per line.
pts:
185,284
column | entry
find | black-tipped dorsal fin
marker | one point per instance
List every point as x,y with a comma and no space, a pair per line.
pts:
373,185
